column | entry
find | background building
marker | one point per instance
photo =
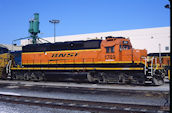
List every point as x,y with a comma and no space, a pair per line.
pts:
149,38
11,47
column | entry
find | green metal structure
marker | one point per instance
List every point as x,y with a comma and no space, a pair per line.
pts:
34,28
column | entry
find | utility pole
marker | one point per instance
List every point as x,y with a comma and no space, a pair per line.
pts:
54,22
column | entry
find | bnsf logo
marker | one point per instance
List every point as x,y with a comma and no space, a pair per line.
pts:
64,55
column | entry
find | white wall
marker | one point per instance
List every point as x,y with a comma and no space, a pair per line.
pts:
11,47
148,38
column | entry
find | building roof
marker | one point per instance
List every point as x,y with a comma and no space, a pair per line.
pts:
152,39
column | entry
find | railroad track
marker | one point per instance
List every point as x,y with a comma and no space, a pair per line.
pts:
81,105
79,88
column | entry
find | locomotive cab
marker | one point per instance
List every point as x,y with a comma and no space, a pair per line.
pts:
117,49
120,49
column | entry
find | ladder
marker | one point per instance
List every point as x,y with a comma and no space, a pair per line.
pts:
8,68
149,69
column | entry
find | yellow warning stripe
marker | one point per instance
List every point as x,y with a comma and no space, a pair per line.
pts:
76,68
58,62
169,74
103,62
158,56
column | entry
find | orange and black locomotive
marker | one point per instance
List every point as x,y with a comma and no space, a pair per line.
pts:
112,60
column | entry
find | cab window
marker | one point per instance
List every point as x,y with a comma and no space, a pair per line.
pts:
110,49
124,47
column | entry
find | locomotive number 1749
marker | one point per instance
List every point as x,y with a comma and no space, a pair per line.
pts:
109,56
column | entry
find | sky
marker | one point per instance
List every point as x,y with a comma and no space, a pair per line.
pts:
80,16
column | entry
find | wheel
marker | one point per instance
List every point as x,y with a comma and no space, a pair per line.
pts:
90,78
37,76
43,78
158,78
13,76
102,78
27,76
121,79
157,81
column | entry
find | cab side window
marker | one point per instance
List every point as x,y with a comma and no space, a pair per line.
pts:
107,50
110,49
124,47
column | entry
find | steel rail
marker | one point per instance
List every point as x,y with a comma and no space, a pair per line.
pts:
83,105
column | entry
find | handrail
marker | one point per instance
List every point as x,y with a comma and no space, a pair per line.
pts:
145,70
152,66
61,61
8,69
155,64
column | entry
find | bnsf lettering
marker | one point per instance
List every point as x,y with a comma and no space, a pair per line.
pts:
76,54
64,55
